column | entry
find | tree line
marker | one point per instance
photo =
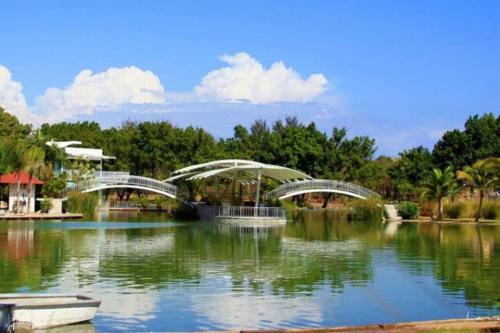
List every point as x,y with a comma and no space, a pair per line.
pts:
155,149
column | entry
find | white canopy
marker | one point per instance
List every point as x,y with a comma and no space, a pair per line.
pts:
216,164
242,170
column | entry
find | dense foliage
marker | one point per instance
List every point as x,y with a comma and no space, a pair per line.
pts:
155,149
84,203
479,140
481,176
408,210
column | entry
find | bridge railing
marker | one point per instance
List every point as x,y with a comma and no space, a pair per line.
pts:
318,185
210,212
94,173
108,180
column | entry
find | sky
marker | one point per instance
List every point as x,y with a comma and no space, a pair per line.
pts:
402,72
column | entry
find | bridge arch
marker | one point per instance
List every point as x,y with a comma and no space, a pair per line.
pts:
291,189
125,181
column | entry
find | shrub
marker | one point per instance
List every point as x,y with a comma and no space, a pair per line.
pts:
213,200
142,202
454,210
84,203
45,205
364,210
491,210
273,202
469,208
409,210
161,202
54,187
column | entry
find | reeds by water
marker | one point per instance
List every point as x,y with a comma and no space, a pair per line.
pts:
467,209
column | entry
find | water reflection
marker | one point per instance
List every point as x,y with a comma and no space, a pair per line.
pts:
261,232
391,228
76,328
316,271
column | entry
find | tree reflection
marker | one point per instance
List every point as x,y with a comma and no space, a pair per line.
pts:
29,259
314,251
463,258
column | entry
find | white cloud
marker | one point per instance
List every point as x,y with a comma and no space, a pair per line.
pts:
246,79
90,91
12,97
132,89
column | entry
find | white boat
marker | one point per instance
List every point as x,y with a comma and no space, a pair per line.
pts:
35,311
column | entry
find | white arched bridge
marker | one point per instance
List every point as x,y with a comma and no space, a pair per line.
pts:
291,189
113,180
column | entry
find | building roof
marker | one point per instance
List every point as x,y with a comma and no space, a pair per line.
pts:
11,178
88,154
62,144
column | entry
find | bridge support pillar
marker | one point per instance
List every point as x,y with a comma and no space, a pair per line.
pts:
257,193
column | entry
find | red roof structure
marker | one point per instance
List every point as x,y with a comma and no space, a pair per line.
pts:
11,178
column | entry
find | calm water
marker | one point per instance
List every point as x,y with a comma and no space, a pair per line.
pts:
155,275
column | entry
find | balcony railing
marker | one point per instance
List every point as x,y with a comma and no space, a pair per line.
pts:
95,174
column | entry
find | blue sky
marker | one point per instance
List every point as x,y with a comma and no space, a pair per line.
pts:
400,71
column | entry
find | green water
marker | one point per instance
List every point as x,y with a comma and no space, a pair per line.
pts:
156,275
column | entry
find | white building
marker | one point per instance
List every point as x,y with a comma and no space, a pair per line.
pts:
77,153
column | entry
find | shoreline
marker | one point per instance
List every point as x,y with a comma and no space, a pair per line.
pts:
452,222
459,325
39,216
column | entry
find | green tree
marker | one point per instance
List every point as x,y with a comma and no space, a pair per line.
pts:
480,139
409,171
298,146
344,157
260,137
481,176
374,175
33,160
15,151
11,128
54,187
239,145
438,186
88,132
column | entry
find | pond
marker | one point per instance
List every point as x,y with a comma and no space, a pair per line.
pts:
157,275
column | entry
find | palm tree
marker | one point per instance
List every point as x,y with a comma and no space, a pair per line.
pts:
15,151
456,189
34,160
439,185
482,175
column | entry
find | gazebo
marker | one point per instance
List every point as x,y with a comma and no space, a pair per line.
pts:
244,172
22,200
